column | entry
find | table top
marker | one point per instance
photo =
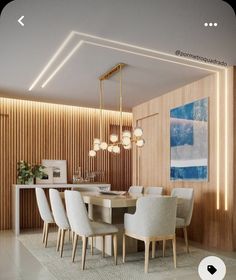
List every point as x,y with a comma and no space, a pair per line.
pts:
115,201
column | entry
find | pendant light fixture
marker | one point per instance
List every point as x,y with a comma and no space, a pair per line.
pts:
125,139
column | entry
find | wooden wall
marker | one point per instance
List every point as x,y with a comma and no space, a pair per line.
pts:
33,131
151,165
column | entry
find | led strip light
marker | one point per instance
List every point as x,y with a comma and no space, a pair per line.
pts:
167,59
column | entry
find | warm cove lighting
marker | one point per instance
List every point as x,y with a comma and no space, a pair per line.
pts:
226,138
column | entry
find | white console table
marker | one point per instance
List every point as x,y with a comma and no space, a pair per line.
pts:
16,190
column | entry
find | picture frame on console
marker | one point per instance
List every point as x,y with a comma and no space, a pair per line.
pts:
59,170
47,178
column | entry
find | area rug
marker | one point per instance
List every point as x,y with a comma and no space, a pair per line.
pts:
98,268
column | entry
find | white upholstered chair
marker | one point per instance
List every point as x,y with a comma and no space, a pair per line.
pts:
153,220
60,218
153,191
135,190
45,212
82,226
184,209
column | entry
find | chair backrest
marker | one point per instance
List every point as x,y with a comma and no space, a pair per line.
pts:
58,209
43,206
77,213
156,215
185,208
135,190
154,190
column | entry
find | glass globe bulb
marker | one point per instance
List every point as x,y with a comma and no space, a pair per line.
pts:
138,132
128,147
113,138
140,143
110,149
96,141
103,146
126,141
96,147
116,149
126,133
92,153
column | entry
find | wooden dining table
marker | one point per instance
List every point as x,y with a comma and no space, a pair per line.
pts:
111,209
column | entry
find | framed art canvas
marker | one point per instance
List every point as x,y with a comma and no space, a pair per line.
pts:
47,178
59,170
189,141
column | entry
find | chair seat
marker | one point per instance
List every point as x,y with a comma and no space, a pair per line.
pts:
103,228
180,223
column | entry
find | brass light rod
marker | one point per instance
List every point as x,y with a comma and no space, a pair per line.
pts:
111,72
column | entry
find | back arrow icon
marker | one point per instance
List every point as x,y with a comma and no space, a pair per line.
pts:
20,21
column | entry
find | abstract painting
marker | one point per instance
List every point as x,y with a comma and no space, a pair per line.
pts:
189,141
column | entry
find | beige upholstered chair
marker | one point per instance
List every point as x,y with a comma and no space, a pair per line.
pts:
153,191
45,212
153,220
82,226
60,218
184,210
135,190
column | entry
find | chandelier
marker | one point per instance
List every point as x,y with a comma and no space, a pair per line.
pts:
126,137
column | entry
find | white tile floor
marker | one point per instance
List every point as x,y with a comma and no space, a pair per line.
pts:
17,263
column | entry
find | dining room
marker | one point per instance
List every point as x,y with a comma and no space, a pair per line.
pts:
116,150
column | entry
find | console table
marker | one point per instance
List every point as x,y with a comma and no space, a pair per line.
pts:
16,190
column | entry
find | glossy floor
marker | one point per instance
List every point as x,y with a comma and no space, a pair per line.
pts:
16,262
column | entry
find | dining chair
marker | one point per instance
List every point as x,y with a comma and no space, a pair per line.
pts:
135,190
45,213
184,210
60,218
82,226
153,191
154,220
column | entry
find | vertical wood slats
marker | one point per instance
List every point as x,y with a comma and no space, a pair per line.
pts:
209,226
33,131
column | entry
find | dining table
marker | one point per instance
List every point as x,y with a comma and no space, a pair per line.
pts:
110,208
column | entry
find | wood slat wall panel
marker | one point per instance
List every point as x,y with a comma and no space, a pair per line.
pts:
121,165
211,227
33,131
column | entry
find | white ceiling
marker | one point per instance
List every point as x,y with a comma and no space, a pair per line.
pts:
159,24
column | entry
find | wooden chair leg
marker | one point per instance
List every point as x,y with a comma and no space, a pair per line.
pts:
115,248
153,249
186,238
75,239
174,250
92,246
44,227
123,250
46,235
68,234
103,246
85,240
164,248
147,245
62,241
58,239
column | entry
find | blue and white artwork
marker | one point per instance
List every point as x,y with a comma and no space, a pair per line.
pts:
189,141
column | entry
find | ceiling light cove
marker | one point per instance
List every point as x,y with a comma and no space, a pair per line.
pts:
63,63
120,47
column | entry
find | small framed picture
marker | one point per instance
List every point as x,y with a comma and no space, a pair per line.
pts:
47,178
59,170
